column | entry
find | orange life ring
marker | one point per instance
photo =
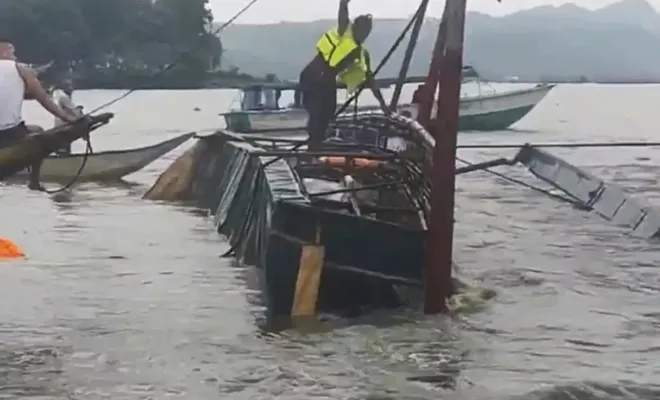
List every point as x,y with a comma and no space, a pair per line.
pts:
9,250
354,162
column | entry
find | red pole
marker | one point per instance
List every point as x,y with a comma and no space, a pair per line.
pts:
428,88
438,271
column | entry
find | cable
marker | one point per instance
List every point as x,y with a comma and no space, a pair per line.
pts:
88,149
521,183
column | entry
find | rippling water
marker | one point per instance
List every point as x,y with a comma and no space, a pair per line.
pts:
126,299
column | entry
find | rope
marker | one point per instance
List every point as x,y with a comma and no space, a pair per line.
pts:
559,145
88,149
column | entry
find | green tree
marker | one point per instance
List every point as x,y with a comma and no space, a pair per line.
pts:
120,41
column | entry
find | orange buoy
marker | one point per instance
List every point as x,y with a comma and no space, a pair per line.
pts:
353,162
9,250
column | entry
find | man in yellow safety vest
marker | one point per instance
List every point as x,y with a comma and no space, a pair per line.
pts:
341,56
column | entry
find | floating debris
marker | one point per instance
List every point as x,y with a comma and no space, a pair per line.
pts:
608,200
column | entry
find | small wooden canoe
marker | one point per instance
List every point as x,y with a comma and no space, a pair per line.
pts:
107,165
17,157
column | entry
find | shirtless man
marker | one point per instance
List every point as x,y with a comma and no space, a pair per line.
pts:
19,82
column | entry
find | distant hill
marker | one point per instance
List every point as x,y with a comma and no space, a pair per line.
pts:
617,42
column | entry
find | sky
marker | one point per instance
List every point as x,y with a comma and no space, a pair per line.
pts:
273,11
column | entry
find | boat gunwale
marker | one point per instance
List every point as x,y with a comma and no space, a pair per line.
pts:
509,93
130,151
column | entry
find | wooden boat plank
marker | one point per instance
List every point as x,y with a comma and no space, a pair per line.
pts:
308,281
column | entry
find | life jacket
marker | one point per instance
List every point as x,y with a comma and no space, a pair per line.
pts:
335,47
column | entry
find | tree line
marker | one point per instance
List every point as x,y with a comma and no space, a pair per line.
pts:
116,43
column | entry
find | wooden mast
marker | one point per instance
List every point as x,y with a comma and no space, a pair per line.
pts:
427,90
449,57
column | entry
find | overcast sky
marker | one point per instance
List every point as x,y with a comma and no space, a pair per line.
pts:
265,11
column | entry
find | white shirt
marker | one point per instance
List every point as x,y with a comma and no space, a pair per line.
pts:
65,103
12,88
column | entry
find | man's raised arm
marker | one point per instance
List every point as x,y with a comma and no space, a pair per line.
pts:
343,19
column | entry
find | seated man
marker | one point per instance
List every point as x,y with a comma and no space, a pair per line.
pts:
62,96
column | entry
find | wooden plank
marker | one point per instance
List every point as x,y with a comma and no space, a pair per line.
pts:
308,281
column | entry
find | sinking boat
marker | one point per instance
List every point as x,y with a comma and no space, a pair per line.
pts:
16,157
331,229
342,227
349,225
490,111
104,166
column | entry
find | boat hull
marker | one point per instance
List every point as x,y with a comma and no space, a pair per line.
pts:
491,112
500,110
104,166
306,261
19,156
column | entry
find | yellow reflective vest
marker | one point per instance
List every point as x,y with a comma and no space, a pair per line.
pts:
334,48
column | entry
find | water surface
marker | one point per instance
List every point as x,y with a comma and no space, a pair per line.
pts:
126,299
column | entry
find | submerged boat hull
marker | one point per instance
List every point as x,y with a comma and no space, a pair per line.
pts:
307,261
490,112
104,166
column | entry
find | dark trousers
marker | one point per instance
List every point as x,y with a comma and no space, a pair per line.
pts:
10,137
320,102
